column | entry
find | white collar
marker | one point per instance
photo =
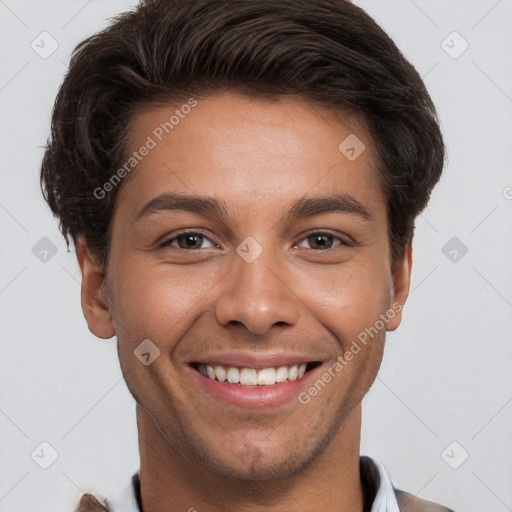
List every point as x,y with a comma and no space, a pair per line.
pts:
385,500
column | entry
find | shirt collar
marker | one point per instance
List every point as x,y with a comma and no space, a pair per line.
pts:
385,499
375,475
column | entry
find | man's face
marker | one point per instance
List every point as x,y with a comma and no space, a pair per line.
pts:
322,277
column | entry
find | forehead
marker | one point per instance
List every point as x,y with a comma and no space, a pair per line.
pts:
252,153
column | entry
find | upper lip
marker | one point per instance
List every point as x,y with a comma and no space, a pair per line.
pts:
255,360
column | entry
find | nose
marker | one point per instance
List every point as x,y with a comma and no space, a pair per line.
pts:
257,296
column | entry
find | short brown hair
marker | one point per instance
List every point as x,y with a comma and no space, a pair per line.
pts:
327,51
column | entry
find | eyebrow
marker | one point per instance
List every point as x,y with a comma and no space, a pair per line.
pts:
207,206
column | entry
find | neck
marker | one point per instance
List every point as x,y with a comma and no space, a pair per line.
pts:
332,482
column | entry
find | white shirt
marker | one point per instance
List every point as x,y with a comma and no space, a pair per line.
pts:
385,500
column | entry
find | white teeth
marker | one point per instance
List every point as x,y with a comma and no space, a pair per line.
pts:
266,377
233,375
251,376
210,371
282,374
220,372
248,377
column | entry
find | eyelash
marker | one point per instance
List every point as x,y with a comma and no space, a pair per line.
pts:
343,242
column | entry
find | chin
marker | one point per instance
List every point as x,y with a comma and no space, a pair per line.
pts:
252,465
260,472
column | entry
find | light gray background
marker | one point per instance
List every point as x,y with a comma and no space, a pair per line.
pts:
446,374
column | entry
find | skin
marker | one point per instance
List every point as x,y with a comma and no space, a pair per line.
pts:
259,157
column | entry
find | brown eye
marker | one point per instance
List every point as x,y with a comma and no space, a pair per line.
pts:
320,241
323,241
189,240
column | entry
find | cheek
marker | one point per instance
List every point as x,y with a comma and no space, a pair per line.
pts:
159,301
348,300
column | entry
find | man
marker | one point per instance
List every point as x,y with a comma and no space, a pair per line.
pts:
240,180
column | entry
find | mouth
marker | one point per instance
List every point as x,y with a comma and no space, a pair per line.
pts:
250,376
253,380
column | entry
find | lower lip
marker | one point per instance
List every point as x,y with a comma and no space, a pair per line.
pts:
254,397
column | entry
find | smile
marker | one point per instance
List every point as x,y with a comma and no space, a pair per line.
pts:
252,376
253,384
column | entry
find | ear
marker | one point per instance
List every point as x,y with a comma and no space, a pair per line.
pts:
94,304
401,286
